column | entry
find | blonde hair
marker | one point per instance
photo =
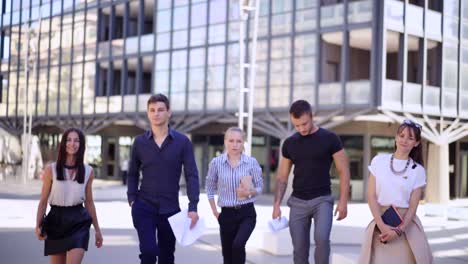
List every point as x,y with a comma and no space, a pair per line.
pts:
234,129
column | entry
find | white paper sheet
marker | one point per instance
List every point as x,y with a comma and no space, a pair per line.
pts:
180,224
278,224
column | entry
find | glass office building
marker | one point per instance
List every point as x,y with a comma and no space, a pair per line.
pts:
364,65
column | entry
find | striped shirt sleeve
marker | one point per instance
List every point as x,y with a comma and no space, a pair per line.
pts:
211,180
257,178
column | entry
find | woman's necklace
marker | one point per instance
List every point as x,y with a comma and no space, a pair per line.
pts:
70,171
399,172
70,167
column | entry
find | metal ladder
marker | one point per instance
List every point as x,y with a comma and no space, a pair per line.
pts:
247,7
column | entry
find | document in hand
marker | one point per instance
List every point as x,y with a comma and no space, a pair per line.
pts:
278,224
180,224
392,217
246,182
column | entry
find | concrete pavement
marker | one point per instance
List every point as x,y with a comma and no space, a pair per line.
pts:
448,239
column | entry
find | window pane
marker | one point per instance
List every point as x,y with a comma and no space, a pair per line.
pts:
280,6
216,100
197,57
280,48
215,78
178,84
216,55
234,10
304,92
305,45
280,69
162,61
196,85
306,4
281,23
180,39
163,4
451,27
304,70
306,19
164,17
181,13
5,46
217,11
198,15
451,7
217,33
162,41
465,8
179,59
233,53
198,36
161,82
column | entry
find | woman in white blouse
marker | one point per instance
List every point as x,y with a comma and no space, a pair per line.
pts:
67,184
237,179
397,180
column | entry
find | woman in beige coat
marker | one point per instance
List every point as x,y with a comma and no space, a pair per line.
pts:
397,180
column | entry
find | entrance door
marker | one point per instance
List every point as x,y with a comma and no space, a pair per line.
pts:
112,153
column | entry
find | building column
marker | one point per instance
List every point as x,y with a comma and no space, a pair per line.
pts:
437,190
366,160
104,155
266,169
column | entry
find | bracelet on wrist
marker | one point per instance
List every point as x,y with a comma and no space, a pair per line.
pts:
398,231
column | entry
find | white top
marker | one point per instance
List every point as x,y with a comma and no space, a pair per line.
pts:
393,189
68,192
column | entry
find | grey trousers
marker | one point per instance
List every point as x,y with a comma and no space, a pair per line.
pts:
300,219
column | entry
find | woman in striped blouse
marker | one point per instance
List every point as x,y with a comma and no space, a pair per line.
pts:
237,179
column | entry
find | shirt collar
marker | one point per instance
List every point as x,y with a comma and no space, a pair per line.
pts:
171,134
224,158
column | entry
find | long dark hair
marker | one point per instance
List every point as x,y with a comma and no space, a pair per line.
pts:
416,152
62,156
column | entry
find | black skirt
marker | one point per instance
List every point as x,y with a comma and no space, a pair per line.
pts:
66,228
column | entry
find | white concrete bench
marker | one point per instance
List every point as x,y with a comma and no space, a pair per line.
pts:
340,258
280,243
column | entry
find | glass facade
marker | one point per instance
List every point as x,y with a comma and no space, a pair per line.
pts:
88,57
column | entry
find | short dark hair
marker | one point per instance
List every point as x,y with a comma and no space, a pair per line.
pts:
159,98
299,108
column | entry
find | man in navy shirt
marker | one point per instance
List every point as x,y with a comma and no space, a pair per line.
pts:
159,154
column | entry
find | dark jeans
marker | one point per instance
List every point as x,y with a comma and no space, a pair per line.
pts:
236,226
147,220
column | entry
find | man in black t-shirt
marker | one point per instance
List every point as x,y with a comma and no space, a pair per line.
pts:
311,150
